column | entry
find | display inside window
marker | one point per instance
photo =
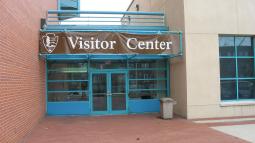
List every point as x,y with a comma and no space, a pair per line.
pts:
147,79
67,96
67,81
108,64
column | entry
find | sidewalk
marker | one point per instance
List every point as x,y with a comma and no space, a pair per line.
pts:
124,129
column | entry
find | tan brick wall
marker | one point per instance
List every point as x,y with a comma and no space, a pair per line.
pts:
22,81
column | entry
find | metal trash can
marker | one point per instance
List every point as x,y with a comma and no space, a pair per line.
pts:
166,108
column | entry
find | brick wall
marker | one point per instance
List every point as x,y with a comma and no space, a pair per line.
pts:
22,92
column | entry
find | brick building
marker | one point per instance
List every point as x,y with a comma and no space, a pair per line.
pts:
209,71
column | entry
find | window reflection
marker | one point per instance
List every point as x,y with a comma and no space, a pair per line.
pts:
227,46
247,89
228,90
245,67
244,46
227,68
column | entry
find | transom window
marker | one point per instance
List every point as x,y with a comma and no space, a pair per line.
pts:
237,67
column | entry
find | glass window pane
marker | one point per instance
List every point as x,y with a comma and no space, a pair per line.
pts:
147,94
99,92
109,64
53,86
246,89
147,84
71,65
244,46
147,74
227,46
147,64
67,76
99,84
67,96
228,90
67,70
246,68
118,96
227,68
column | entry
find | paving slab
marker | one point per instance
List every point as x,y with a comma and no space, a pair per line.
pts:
245,132
125,129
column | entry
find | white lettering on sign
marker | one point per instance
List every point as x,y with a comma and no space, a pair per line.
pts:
148,45
93,43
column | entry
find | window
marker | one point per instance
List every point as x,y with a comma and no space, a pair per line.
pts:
68,5
147,79
237,67
67,81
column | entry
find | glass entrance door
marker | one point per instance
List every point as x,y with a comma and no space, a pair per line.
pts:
109,92
99,92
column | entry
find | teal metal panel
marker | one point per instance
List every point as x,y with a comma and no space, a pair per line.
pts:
65,91
144,106
181,44
253,43
236,59
237,78
168,78
152,89
68,3
68,108
107,28
107,12
67,80
104,56
46,84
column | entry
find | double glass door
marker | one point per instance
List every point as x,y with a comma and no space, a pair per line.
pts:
109,92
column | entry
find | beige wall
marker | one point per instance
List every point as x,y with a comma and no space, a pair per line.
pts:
175,20
204,21
195,78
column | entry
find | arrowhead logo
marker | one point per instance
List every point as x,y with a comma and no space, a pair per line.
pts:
50,42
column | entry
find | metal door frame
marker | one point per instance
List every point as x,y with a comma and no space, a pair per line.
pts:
109,87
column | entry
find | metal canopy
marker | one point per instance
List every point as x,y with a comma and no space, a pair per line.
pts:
102,56
111,21
96,21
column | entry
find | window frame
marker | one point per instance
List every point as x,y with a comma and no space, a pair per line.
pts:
62,17
59,5
236,57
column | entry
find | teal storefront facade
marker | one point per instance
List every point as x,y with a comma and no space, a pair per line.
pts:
105,87
110,83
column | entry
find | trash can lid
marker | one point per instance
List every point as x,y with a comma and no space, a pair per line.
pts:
166,99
